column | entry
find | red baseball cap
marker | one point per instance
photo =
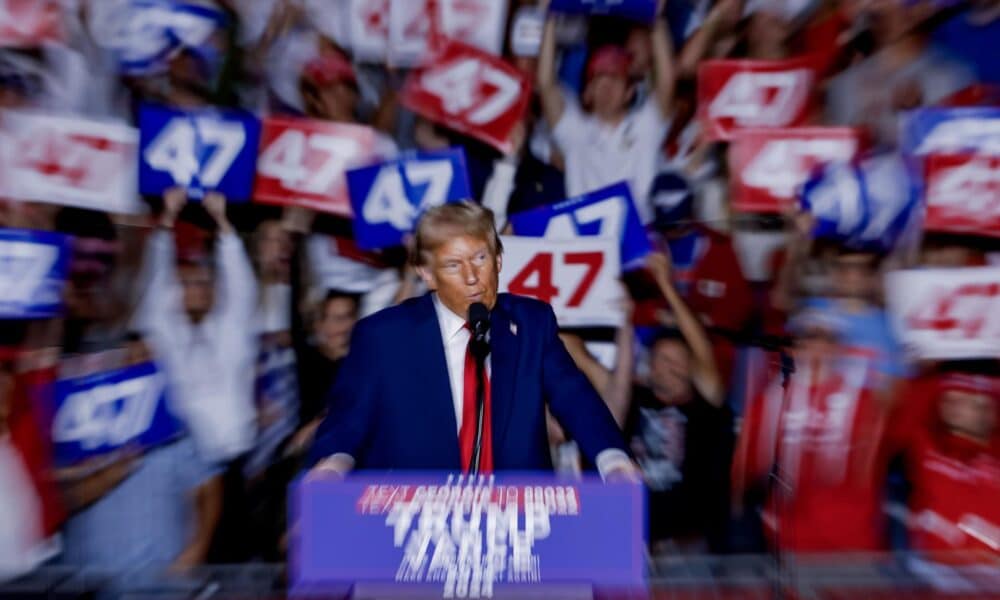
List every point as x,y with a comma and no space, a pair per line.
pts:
329,67
970,384
608,60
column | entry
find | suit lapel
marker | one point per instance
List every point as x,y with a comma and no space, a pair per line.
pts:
503,379
432,370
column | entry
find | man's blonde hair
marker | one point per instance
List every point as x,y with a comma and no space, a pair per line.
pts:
441,223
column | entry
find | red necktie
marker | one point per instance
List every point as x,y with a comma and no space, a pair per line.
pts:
467,434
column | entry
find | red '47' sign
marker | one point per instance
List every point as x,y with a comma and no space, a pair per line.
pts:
302,163
470,91
944,314
740,94
578,277
29,22
69,161
769,165
963,193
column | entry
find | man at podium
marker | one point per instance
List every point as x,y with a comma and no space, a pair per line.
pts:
458,379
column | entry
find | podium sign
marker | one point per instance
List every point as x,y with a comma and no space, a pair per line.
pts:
452,537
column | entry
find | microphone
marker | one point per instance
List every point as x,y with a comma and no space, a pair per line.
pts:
479,324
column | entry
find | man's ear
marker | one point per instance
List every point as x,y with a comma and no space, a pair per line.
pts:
499,263
426,276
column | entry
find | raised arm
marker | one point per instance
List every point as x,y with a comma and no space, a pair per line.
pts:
158,275
618,394
706,376
664,69
549,92
236,279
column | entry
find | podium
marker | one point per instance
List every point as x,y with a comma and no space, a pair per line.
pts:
405,535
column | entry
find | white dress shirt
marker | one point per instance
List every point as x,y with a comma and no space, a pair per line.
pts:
456,339
209,365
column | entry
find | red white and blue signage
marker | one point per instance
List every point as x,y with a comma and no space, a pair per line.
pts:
606,212
200,150
106,411
33,269
388,198
459,537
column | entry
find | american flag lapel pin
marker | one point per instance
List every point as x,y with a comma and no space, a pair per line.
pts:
513,328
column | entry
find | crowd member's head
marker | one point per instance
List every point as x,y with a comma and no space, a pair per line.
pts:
335,319
817,334
273,249
854,275
952,251
197,279
670,367
458,255
329,87
968,406
769,26
608,90
95,247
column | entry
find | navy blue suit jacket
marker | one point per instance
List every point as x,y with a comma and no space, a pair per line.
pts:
391,407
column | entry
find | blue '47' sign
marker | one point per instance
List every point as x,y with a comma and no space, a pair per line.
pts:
105,411
608,212
388,198
201,150
637,10
33,266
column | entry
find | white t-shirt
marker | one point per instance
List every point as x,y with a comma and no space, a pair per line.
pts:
598,155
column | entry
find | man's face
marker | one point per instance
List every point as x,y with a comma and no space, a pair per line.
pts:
336,101
854,276
274,251
335,325
607,94
670,371
463,271
969,414
198,285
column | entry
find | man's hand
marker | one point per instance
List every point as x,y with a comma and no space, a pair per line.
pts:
215,206
296,219
173,201
625,472
336,466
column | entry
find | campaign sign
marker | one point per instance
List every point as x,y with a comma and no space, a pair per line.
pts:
404,32
102,412
946,314
835,197
962,194
769,166
33,268
70,161
470,91
637,10
30,23
388,198
201,150
277,400
145,34
608,211
458,537
577,277
950,130
741,94
302,163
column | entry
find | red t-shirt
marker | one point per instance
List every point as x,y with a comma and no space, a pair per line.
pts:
824,431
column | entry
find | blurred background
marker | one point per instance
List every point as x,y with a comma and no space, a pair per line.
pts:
797,324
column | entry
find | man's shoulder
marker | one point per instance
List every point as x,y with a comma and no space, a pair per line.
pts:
393,317
524,308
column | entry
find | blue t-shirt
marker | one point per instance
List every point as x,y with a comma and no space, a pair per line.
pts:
868,330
